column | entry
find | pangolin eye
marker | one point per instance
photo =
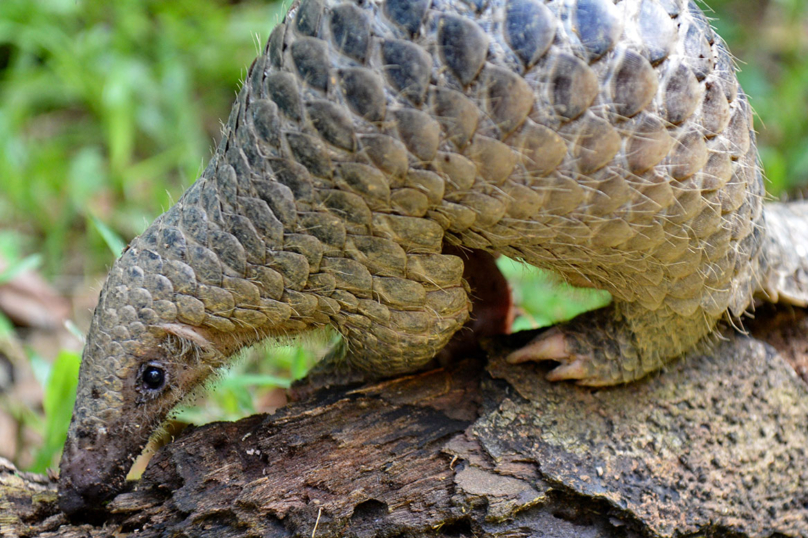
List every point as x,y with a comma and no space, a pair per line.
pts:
153,377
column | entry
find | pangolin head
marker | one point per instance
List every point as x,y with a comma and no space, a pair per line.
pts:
147,349
139,361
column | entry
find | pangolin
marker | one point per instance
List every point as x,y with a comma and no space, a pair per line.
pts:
373,141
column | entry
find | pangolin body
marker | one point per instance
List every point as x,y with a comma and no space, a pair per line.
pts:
606,141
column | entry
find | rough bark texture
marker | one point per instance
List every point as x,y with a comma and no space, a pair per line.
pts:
714,446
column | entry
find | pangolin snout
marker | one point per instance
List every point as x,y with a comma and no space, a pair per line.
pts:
88,479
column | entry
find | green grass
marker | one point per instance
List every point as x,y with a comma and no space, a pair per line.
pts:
60,393
108,110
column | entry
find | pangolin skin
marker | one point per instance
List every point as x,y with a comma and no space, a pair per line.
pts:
608,142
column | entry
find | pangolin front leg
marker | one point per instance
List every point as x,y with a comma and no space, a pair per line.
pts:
615,344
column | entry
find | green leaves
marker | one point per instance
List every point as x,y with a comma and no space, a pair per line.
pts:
60,394
113,107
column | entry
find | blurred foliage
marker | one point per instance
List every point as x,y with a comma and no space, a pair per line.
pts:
769,40
543,299
109,110
238,391
112,107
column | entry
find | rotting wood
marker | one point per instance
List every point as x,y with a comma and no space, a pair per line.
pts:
714,446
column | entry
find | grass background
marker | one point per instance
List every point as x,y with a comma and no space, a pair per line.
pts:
109,110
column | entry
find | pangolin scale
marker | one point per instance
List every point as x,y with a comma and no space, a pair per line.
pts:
606,141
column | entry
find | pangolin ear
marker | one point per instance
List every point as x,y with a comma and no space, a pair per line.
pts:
185,332
185,341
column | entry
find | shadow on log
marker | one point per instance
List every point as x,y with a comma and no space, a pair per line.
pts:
714,446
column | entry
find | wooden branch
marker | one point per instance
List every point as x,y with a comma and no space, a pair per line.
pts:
715,446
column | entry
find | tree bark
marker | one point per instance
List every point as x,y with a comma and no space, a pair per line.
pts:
713,446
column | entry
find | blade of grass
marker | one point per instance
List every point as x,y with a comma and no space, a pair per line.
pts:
60,394
113,240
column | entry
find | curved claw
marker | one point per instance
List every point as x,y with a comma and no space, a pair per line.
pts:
549,346
554,345
574,370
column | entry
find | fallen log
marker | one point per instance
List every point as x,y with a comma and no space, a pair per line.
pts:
713,446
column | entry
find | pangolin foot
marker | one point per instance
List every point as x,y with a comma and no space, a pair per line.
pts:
552,345
594,350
